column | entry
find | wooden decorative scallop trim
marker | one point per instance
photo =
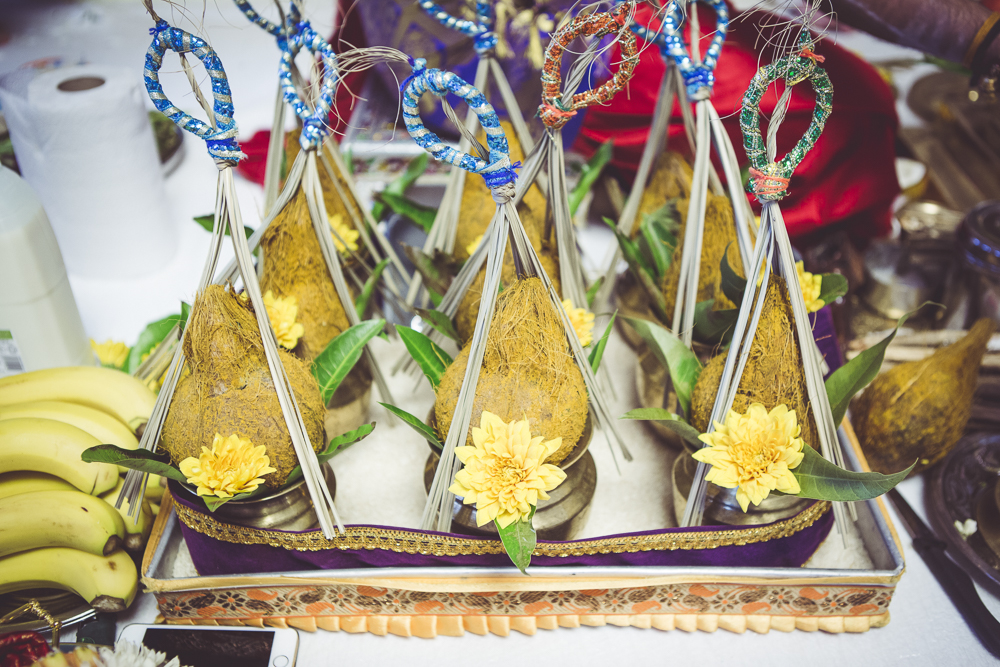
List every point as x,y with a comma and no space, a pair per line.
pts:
429,627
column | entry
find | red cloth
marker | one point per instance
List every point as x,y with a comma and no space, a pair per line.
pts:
350,36
849,176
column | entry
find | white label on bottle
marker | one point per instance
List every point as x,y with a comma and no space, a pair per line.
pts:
10,355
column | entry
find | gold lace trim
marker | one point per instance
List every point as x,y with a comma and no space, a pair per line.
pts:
410,542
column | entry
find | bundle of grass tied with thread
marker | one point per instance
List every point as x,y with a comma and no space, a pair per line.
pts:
230,389
528,371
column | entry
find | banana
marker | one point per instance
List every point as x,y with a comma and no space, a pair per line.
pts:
155,486
69,519
97,423
107,583
136,533
112,391
15,483
44,445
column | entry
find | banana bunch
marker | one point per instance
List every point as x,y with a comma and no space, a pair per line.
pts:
58,524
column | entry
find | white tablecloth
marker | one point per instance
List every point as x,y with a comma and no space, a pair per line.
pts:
925,627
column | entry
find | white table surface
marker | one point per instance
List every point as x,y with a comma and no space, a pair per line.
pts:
925,628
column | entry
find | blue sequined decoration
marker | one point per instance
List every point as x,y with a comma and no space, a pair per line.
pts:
481,31
314,121
698,78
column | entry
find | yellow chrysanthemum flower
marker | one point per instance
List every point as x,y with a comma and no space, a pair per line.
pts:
504,473
471,248
110,353
345,232
812,287
582,320
282,313
754,453
232,466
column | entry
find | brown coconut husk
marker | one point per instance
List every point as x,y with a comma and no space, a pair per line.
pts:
917,411
294,266
528,371
774,372
230,389
670,179
720,233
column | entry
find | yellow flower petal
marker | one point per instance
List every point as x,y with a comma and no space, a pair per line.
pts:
233,465
471,248
582,320
346,234
110,353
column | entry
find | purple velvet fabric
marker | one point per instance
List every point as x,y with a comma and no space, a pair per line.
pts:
215,557
826,337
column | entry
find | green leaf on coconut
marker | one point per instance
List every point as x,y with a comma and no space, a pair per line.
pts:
589,175
338,358
433,361
733,285
400,185
641,270
657,241
672,421
714,326
852,377
361,303
820,479
151,336
418,213
430,268
593,290
142,460
597,353
336,446
833,287
677,358
519,541
417,425
439,321
208,223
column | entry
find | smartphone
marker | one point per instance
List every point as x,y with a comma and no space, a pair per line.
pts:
211,646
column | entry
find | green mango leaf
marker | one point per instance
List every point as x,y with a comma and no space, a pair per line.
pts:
845,382
597,353
519,541
208,223
593,290
682,363
733,285
417,425
820,479
151,336
657,241
672,421
439,321
714,326
349,161
418,213
336,446
432,359
430,268
338,358
142,460
400,185
641,270
589,175
435,297
361,303
833,287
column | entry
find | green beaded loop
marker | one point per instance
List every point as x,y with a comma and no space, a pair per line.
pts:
772,177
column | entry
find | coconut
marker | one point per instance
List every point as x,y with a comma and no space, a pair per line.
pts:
230,389
720,233
774,373
918,410
294,266
528,371
671,179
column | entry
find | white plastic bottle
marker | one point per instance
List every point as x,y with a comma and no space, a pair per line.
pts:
40,325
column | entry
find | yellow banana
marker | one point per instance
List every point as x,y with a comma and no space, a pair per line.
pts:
97,423
107,583
136,533
112,391
44,445
69,519
15,483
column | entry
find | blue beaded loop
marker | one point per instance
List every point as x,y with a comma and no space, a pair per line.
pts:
221,142
481,31
498,171
291,18
314,121
698,79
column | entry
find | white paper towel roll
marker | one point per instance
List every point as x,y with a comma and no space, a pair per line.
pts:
84,143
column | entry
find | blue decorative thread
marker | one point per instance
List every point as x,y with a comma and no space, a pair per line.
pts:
221,142
483,38
314,121
498,171
291,18
699,79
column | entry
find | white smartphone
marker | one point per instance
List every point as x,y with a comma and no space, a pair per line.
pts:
218,646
